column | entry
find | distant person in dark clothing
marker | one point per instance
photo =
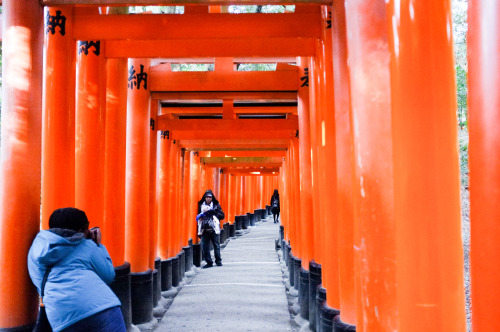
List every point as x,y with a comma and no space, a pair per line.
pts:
209,216
275,205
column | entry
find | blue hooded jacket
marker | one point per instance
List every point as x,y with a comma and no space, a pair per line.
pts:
76,287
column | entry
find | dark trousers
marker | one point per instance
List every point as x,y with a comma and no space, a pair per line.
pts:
208,237
276,216
109,320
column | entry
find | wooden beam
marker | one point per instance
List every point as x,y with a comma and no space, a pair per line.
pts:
280,154
210,47
238,145
224,81
196,26
164,123
232,134
252,171
234,161
237,110
211,59
220,95
176,2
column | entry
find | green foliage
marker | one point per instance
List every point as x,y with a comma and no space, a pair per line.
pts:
461,97
463,144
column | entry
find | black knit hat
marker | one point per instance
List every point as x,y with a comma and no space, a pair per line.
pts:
69,218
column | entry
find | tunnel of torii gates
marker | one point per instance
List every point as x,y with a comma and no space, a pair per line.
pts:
356,128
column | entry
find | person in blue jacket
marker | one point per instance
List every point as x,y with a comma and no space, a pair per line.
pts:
77,296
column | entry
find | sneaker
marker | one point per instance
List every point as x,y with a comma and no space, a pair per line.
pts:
219,263
207,266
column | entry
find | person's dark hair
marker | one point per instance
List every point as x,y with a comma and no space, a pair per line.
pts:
275,193
69,218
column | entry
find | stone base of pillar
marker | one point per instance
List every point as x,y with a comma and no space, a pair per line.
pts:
166,274
327,315
245,220
187,256
320,300
238,222
175,271
232,230
155,288
296,272
182,264
197,254
291,267
121,288
339,326
158,279
314,282
304,293
141,296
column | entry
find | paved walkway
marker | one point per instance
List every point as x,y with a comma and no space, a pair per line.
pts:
245,294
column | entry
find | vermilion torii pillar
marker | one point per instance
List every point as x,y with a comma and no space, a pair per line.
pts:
58,142
137,166
342,126
194,196
114,156
153,198
114,160
430,283
306,214
20,159
375,228
164,213
484,159
90,117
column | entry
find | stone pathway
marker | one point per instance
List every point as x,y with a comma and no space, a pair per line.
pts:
245,294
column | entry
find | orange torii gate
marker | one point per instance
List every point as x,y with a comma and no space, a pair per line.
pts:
369,184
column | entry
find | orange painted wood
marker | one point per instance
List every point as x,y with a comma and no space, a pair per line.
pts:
231,194
237,110
484,103
251,144
137,172
172,2
240,95
231,134
90,120
375,228
426,169
173,210
306,199
344,168
58,108
195,26
165,224
185,203
280,154
315,117
20,160
114,160
153,198
194,196
298,251
213,47
252,171
224,81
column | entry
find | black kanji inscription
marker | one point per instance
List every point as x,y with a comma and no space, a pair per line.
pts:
165,134
152,124
329,21
135,79
305,78
51,22
84,46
